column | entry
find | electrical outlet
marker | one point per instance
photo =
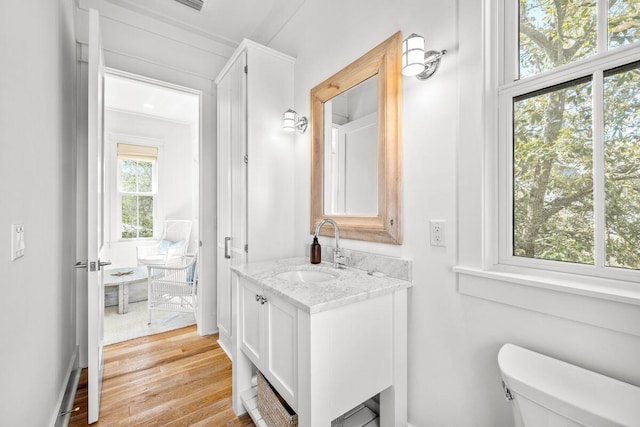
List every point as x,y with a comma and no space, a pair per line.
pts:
17,241
436,232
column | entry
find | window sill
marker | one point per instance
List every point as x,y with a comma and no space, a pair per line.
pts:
605,303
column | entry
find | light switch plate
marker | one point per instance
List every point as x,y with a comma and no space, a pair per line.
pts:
17,241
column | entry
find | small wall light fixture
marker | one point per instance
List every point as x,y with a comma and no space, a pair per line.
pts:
292,122
417,62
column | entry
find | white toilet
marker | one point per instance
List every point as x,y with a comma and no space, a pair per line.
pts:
546,392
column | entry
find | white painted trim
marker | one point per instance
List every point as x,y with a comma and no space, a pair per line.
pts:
603,304
112,175
155,23
493,70
611,290
148,116
73,362
116,137
602,26
83,57
598,172
225,348
582,68
151,81
244,46
498,185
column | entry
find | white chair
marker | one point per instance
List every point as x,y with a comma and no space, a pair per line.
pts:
172,246
173,288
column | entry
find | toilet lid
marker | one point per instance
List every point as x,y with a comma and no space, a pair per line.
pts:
579,394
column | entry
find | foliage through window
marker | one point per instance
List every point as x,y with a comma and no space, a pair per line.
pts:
136,193
574,108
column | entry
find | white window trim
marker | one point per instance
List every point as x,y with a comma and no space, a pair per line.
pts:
120,194
114,192
537,285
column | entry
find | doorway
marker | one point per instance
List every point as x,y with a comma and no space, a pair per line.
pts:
152,166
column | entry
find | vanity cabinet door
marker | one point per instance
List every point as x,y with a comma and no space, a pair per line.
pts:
250,321
280,358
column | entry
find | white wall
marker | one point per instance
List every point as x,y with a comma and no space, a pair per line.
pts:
175,166
453,339
37,134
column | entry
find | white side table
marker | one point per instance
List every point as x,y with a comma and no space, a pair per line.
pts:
122,278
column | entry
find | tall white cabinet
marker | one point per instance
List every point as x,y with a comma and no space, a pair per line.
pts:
255,167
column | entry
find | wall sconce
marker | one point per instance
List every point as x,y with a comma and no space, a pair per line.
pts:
417,62
291,122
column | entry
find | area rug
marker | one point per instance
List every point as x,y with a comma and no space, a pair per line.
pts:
123,327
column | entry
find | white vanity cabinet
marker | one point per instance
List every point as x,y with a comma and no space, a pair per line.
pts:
255,173
325,349
250,322
268,335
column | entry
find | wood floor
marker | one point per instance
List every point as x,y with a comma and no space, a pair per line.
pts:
176,378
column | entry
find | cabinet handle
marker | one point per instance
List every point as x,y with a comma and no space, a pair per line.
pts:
263,300
258,297
226,247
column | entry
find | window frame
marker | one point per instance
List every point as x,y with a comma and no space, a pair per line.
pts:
507,88
120,193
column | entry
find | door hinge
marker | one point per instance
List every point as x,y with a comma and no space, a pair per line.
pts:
246,69
246,248
246,158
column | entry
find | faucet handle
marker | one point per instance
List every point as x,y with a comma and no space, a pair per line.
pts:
339,260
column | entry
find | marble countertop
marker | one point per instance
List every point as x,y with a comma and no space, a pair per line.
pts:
352,285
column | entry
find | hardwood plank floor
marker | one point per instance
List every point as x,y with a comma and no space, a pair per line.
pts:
176,378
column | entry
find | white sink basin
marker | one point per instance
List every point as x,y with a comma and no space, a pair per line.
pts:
308,276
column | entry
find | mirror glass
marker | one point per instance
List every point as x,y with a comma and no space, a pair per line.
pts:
350,178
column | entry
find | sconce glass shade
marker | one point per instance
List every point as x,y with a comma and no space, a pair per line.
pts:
413,55
289,120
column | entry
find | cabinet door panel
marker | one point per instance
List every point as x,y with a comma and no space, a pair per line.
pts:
237,153
250,321
281,348
231,188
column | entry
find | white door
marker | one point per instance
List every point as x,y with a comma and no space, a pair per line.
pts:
358,181
232,182
95,216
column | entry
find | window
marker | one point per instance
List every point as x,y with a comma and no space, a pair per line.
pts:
136,190
570,136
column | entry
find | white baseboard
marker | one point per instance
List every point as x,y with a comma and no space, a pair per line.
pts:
55,418
226,349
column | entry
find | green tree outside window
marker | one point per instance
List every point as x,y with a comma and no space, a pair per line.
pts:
553,140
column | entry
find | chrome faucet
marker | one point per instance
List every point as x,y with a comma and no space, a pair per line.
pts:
339,260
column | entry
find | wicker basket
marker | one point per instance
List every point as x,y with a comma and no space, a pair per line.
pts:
274,410
338,422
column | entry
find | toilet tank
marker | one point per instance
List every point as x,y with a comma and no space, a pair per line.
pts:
547,392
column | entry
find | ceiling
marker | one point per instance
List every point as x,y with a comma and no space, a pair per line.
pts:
225,21
222,20
129,95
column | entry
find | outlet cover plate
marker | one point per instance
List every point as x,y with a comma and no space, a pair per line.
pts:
437,232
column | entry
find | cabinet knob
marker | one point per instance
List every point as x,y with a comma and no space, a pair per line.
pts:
258,297
262,300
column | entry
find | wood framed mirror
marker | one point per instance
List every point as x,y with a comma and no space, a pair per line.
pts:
356,149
